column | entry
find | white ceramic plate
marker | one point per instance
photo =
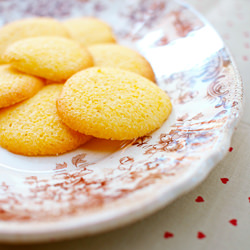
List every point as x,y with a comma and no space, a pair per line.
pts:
105,184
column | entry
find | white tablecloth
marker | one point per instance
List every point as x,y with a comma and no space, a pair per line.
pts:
216,215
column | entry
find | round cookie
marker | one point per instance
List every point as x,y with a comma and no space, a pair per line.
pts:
33,127
40,26
53,58
117,56
89,30
16,86
112,104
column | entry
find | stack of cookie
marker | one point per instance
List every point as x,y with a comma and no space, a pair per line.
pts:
63,83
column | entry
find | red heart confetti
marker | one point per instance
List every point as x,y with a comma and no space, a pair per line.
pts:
168,235
224,180
199,199
233,222
201,235
230,149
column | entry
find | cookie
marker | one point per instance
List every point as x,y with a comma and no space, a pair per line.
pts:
53,58
34,128
114,55
89,30
31,27
112,103
16,86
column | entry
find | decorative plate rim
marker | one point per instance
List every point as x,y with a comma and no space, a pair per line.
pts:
73,227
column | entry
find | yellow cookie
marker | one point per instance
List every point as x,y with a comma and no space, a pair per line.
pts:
34,128
112,104
114,55
31,27
16,86
53,58
89,30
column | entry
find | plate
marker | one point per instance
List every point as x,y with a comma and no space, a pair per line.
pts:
107,184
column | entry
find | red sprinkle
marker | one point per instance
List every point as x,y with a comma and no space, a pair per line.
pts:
199,199
201,235
230,149
224,180
233,222
168,235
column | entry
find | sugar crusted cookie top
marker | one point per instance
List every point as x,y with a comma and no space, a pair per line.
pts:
112,104
16,86
52,58
30,27
89,30
33,127
117,56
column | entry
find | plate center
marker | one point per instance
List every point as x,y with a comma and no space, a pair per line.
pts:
90,153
